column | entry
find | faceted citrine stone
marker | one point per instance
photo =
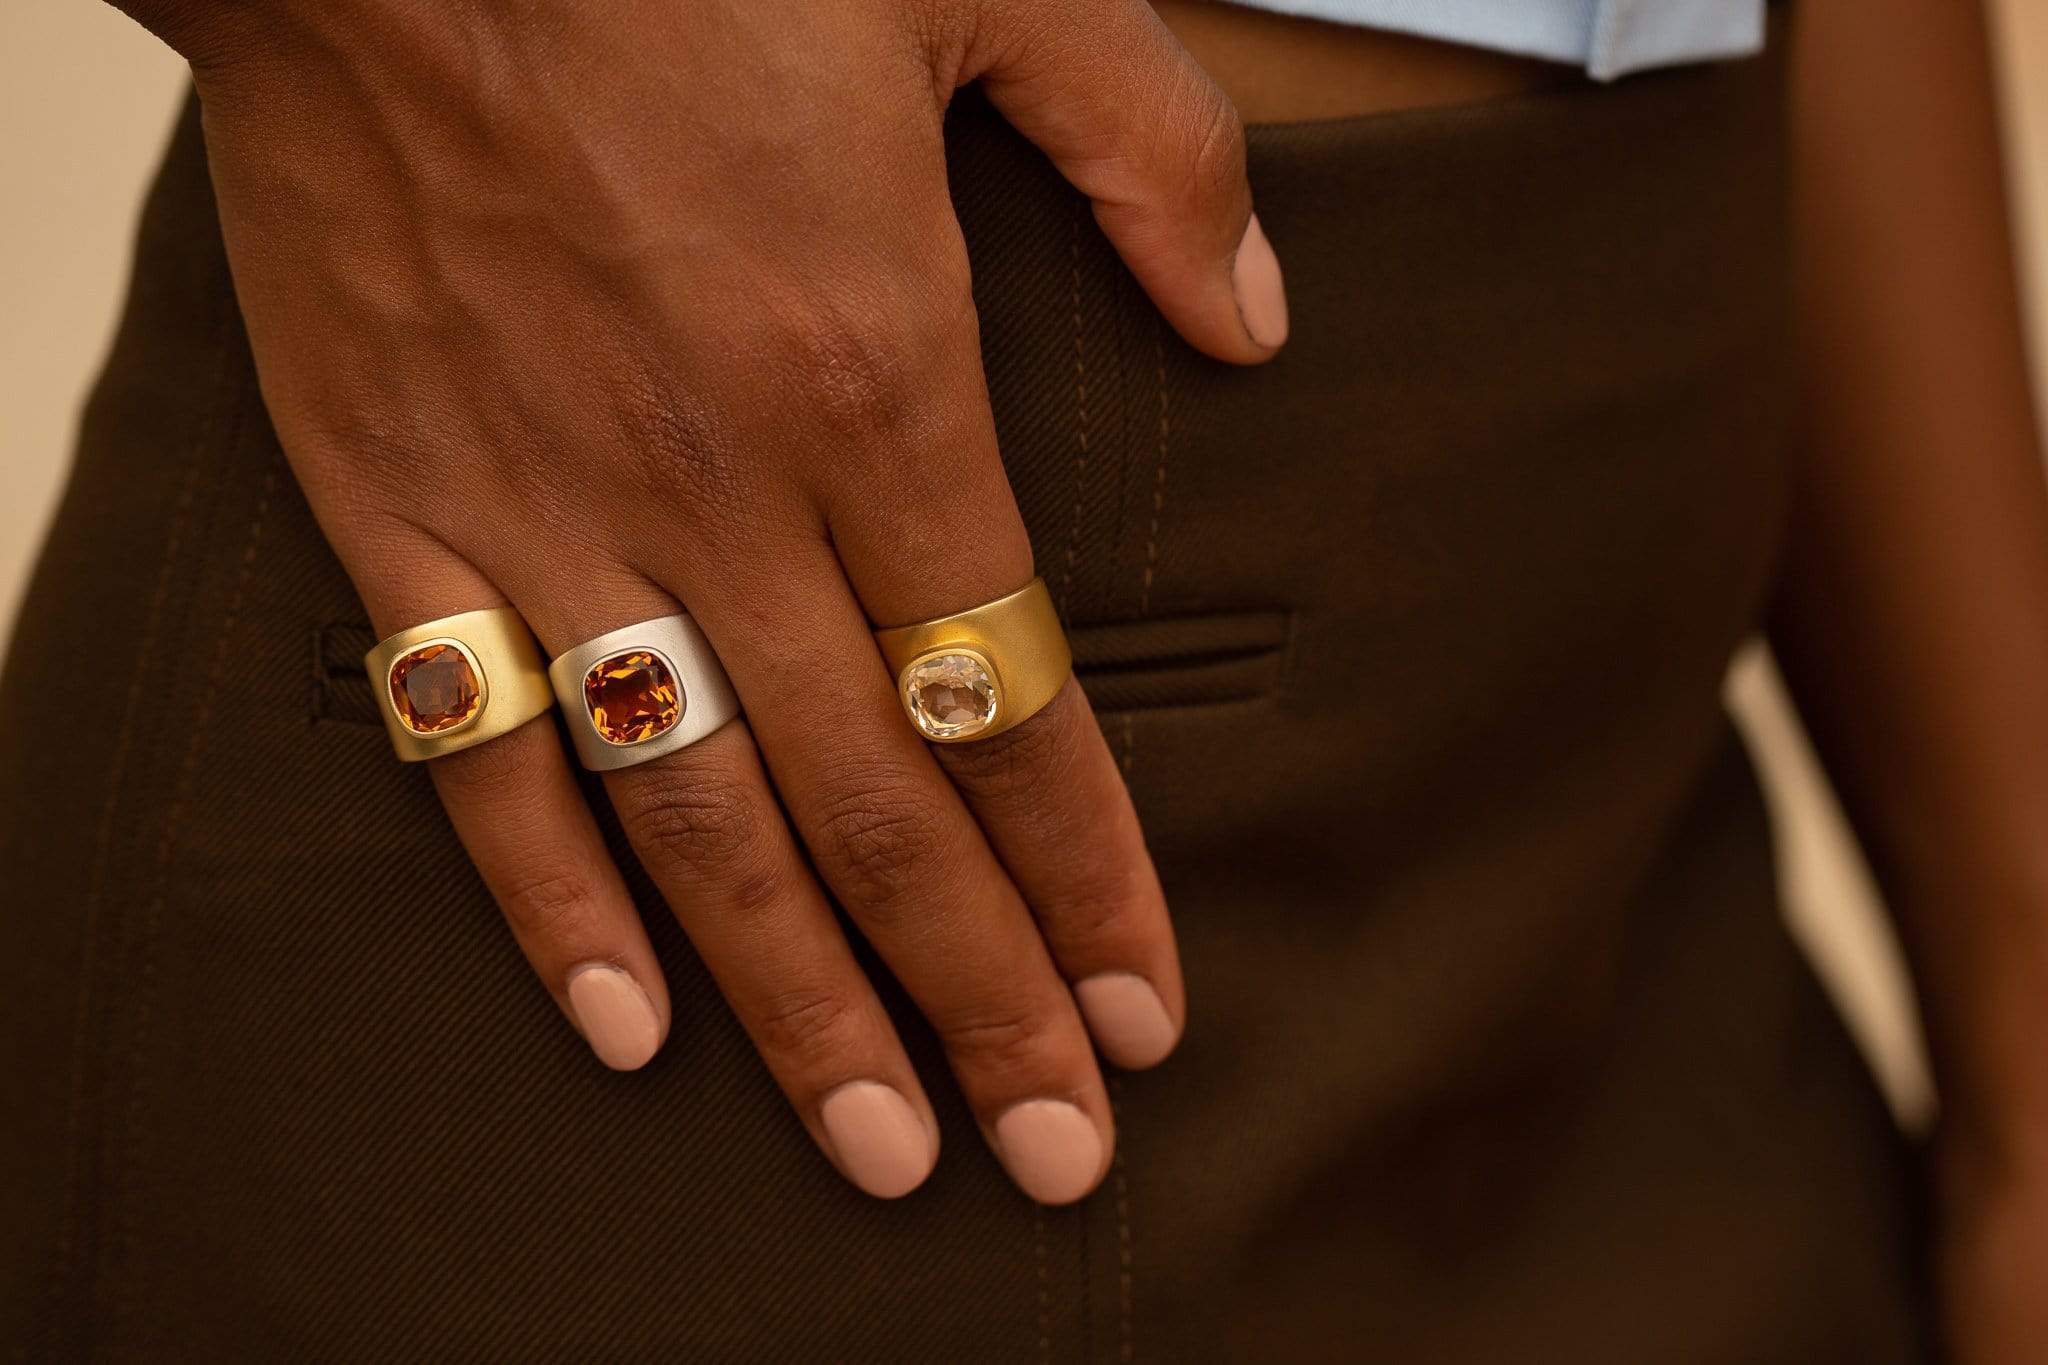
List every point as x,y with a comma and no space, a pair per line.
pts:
951,696
632,697
435,689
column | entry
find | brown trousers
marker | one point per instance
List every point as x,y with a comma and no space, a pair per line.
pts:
1410,644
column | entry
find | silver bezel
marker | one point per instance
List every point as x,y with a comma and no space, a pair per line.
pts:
703,692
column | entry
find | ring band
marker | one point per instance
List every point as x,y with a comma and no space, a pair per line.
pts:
639,692
978,672
455,683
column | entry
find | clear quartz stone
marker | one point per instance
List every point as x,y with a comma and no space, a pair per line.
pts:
951,696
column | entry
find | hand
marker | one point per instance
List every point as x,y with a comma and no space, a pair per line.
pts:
599,310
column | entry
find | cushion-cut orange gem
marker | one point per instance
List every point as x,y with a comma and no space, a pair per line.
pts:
435,689
631,697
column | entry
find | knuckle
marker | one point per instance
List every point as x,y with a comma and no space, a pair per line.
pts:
546,904
1216,165
1101,911
378,452
880,848
709,827
854,371
1006,1039
690,458
487,773
1030,760
806,1023
863,369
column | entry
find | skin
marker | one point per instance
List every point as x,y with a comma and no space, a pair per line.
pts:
455,249
1913,620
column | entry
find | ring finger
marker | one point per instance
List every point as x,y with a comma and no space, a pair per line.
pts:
1043,787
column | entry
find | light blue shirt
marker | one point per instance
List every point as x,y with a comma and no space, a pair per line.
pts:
1608,38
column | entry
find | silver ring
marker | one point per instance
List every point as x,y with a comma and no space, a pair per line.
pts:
639,692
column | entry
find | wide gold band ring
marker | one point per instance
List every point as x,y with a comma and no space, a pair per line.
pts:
978,672
455,683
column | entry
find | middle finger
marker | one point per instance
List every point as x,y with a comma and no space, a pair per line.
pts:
699,812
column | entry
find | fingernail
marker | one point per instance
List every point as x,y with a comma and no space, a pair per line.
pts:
1261,294
617,1018
881,1143
1051,1150
1127,1019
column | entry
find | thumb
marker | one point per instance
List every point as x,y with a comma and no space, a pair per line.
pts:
1130,120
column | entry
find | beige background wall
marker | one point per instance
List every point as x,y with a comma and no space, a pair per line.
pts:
85,103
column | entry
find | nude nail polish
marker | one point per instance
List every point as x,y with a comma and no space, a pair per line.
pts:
1126,1018
1261,293
617,1018
1051,1150
882,1145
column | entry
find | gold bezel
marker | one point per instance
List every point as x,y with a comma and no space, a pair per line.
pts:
965,651
511,678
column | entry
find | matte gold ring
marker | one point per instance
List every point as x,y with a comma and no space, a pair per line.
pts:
978,672
455,683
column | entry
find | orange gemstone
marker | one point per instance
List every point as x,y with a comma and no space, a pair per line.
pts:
435,689
631,697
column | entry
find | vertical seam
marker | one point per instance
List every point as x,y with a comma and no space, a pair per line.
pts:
1127,1279
188,768
1073,554
103,835
1123,318
1064,605
1158,476
1044,1284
